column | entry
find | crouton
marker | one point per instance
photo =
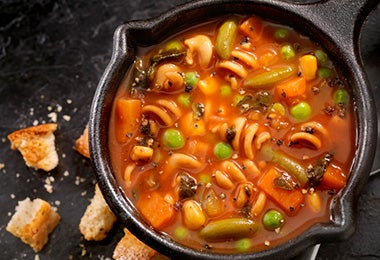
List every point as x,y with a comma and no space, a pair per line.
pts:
81,144
37,146
130,248
33,221
98,218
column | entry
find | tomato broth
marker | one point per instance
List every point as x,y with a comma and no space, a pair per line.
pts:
234,135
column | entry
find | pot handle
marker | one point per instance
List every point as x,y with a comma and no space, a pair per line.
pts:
341,20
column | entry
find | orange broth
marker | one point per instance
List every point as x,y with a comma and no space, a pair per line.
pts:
219,108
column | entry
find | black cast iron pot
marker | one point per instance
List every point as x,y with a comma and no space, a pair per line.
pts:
335,24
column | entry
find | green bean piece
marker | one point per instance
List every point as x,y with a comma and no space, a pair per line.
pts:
223,150
229,228
324,73
278,108
273,219
236,99
321,56
301,111
281,34
286,162
173,139
225,90
225,38
191,78
270,77
341,97
204,178
184,99
287,52
243,245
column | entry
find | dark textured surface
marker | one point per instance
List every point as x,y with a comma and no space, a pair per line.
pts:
52,54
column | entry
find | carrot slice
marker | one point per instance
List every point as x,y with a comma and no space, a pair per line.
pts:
289,200
128,114
333,178
155,209
292,88
252,27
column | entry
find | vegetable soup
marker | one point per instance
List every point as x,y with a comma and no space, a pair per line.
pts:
234,135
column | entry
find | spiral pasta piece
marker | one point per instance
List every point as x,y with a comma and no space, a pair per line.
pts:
306,137
235,67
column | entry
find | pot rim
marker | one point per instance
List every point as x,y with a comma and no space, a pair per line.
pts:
136,33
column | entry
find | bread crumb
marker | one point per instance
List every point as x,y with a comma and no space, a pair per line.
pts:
66,117
2,165
37,146
66,173
98,218
81,144
53,116
36,257
33,221
58,108
13,196
69,101
35,122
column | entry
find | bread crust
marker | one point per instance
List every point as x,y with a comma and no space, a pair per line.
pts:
81,144
36,145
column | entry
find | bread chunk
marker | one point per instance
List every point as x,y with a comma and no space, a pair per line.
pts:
98,218
33,221
36,145
81,144
129,247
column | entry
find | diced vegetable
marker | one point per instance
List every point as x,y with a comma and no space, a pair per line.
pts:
301,111
281,33
212,203
286,162
333,178
324,73
225,38
184,99
341,97
174,46
278,108
191,126
273,219
225,90
236,100
314,201
181,233
288,200
321,57
308,66
243,245
228,229
191,78
155,209
270,77
292,88
287,52
141,153
223,151
252,27
128,114
173,139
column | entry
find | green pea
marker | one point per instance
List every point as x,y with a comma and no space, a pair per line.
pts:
273,219
341,97
281,33
301,111
324,73
287,52
225,38
184,99
223,150
181,233
321,56
225,90
243,245
173,139
191,78
174,45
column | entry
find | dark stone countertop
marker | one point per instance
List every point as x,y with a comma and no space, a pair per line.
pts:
52,54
